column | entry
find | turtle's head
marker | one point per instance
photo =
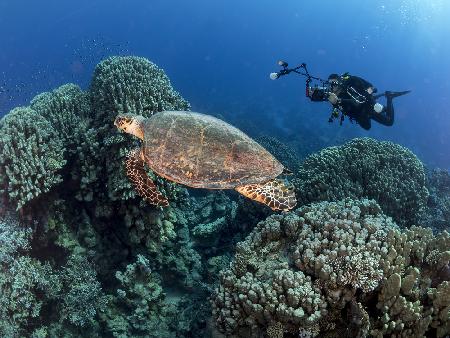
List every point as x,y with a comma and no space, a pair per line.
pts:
131,124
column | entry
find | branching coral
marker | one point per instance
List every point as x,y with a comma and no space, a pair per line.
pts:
67,109
177,236
25,283
138,307
141,308
366,168
210,216
319,268
83,295
123,84
32,156
416,271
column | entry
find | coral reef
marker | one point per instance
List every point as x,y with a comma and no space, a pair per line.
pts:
32,156
67,109
313,269
141,308
40,141
366,168
89,258
39,296
123,84
178,237
282,152
137,308
437,214
62,138
24,281
83,295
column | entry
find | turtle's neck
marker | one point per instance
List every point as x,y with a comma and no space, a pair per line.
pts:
136,128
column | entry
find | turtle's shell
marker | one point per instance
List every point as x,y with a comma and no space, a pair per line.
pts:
202,151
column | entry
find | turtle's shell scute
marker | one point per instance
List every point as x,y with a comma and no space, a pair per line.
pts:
202,151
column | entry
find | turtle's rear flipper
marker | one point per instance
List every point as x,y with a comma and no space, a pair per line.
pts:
273,193
143,184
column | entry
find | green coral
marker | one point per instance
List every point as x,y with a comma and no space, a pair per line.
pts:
437,215
41,296
141,307
83,296
173,236
210,216
130,84
282,152
32,156
67,109
25,283
366,168
122,84
138,308
176,256
320,269
40,140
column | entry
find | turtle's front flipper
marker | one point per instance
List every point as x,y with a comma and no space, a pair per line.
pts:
143,184
273,193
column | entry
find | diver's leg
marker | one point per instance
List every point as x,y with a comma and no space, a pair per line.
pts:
364,122
391,94
386,117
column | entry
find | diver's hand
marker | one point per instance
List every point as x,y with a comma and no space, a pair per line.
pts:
333,98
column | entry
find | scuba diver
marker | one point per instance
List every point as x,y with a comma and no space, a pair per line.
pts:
349,95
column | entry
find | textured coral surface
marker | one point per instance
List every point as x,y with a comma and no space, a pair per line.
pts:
366,168
313,269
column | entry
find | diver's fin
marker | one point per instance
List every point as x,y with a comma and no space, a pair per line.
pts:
395,94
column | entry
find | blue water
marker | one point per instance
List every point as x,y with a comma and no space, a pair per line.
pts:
218,55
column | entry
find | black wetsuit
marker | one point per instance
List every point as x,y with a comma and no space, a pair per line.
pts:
356,103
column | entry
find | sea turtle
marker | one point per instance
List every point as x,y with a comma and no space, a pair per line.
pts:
201,151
